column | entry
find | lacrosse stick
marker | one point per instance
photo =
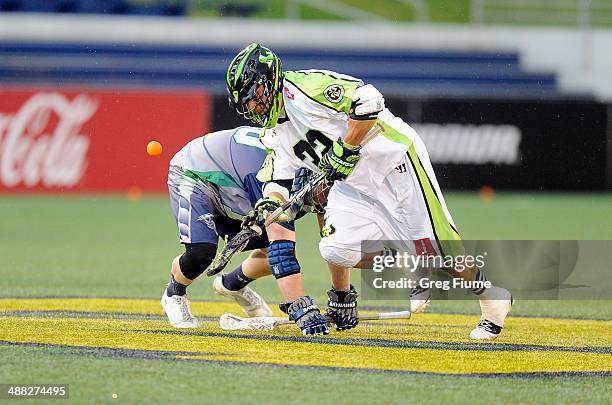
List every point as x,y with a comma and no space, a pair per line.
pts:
241,240
267,323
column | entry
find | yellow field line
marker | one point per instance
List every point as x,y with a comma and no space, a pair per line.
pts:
151,335
421,327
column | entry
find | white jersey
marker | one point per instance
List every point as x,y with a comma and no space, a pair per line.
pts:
316,108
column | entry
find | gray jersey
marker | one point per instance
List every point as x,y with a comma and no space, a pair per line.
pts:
222,165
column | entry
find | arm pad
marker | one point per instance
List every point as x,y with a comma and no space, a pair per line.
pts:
367,103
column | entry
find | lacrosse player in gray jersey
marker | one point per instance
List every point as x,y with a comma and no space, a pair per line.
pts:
212,185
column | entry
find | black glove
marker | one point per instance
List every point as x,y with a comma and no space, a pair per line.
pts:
306,316
342,308
263,207
339,161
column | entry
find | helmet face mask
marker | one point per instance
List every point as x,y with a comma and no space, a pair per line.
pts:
258,103
254,82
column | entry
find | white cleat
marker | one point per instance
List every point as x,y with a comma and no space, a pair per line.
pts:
251,302
419,299
419,296
178,311
495,304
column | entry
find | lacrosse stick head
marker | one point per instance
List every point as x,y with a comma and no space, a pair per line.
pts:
309,190
235,245
319,196
259,323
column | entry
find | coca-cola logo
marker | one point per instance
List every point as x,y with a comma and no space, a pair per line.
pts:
41,143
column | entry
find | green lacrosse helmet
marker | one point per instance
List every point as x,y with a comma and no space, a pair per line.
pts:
253,67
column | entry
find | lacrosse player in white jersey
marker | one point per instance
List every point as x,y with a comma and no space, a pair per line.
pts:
384,187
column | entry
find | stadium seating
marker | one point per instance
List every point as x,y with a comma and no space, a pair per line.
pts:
395,72
142,7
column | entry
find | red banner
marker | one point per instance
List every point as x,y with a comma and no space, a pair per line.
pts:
92,139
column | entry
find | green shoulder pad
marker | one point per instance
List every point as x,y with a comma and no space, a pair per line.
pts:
324,88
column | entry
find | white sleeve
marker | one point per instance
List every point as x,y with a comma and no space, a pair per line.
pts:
272,187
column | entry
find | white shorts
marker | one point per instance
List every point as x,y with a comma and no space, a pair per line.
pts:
409,210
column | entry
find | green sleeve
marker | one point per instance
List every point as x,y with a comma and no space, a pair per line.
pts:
267,168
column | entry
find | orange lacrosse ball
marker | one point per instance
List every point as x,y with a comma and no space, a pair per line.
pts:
154,148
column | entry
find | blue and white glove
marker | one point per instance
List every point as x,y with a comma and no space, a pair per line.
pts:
342,308
306,316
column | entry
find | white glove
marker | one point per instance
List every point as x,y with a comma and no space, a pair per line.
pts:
367,103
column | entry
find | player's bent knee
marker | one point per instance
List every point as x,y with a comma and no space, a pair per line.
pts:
339,257
282,260
197,257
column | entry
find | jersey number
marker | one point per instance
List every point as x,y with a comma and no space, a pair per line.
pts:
315,145
246,137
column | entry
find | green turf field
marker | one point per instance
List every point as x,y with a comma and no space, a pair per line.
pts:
112,257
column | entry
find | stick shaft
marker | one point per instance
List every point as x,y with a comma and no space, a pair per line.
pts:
364,317
386,315
277,212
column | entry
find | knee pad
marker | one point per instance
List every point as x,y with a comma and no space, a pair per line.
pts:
282,260
338,256
197,257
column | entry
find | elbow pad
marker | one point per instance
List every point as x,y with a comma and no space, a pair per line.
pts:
367,103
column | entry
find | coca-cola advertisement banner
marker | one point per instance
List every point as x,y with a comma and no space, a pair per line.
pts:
94,140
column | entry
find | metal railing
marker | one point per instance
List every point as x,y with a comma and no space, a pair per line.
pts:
581,13
350,12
